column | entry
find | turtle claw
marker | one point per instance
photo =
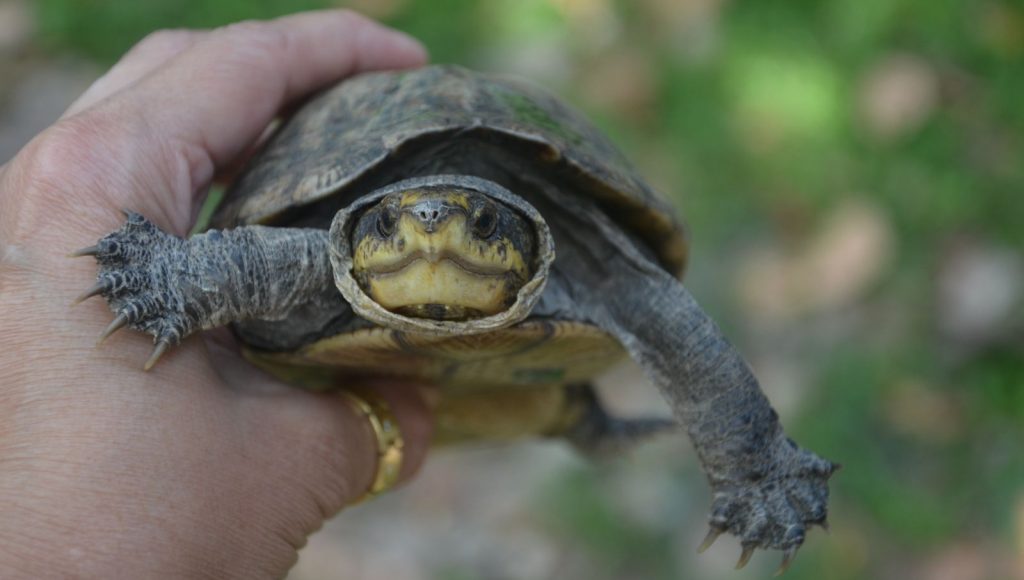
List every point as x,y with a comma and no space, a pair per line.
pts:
787,560
748,552
89,251
94,290
118,323
161,348
709,539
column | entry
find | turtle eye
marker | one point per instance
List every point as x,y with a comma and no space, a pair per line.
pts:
486,222
386,222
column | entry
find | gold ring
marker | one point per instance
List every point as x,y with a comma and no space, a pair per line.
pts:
389,441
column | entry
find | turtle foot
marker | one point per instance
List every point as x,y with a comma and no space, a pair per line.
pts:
140,279
775,511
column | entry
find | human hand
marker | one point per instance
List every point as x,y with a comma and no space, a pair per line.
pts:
203,466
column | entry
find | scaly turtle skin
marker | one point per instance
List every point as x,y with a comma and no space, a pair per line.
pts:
476,232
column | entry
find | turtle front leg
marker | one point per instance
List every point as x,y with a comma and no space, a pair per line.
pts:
171,287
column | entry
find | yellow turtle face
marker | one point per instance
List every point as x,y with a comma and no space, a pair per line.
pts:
445,254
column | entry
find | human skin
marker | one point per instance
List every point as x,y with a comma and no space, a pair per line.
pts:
202,467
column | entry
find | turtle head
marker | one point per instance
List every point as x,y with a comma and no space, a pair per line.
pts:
444,253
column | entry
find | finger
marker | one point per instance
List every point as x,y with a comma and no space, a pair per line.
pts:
146,56
325,443
218,96
155,146
227,173
247,72
411,406
410,409
298,419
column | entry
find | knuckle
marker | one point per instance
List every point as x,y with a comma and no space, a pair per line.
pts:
45,161
348,17
77,141
242,28
168,40
38,179
240,31
63,167
253,44
253,36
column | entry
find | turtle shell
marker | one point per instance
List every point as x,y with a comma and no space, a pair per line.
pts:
355,138
359,128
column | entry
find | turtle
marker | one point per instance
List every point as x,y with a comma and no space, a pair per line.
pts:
472,230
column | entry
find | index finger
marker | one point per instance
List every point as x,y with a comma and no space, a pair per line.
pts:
203,107
224,90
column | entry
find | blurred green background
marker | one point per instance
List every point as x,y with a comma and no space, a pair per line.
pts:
852,174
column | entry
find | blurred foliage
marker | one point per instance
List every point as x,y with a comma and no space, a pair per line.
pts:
762,118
